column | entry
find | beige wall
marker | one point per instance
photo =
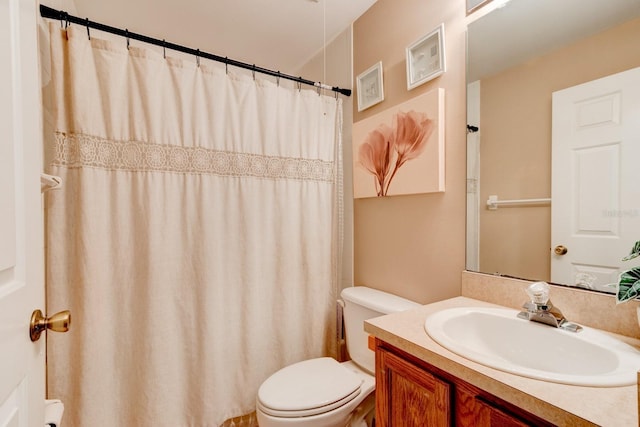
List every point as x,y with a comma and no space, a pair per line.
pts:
515,143
68,6
333,65
414,245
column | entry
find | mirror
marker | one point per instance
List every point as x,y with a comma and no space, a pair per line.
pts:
519,54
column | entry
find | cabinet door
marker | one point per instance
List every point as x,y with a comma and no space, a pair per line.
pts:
472,410
493,416
409,396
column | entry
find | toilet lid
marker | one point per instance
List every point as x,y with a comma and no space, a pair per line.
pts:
308,387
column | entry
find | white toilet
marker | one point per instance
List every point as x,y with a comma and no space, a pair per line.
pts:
323,392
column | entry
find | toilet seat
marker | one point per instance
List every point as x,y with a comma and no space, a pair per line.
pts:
311,411
307,388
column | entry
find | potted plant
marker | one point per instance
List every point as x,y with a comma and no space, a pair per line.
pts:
629,281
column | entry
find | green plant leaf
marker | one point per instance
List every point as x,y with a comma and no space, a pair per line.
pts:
635,252
628,285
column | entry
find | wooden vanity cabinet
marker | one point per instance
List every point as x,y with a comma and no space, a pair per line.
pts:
413,393
407,395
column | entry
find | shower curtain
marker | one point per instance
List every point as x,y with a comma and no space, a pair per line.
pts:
196,238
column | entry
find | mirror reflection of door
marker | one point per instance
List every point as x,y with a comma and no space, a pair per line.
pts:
595,194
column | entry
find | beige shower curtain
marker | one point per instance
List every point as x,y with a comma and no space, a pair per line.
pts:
196,238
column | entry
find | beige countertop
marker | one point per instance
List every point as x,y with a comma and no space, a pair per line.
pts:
561,404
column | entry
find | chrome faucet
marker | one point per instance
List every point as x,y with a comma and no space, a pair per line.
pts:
540,309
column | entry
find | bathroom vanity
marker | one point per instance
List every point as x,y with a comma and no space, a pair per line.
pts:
422,383
423,395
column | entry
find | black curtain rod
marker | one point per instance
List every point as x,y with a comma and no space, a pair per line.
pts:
51,13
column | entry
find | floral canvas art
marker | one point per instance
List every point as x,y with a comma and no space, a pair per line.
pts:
401,150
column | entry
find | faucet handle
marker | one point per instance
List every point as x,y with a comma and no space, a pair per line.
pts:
538,293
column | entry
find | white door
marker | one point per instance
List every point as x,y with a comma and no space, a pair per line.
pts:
22,366
595,211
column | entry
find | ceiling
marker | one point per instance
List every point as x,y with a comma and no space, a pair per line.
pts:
281,35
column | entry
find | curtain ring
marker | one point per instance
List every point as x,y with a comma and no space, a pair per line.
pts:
319,86
335,93
66,25
299,83
126,34
88,33
164,49
254,71
198,57
226,65
278,79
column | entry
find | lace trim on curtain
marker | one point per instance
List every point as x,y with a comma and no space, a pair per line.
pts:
78,150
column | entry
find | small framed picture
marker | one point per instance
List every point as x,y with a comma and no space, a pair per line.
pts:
370,87
425,58
473,5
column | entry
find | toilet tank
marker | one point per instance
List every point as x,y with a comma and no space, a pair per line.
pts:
362,303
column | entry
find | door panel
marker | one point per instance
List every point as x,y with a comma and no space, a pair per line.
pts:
21,231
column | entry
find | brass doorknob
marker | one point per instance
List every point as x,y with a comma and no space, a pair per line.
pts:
560,250
59,322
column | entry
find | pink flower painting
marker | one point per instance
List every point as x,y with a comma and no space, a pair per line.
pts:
395,141
375,155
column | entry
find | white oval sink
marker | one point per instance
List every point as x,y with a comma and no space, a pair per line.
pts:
495,337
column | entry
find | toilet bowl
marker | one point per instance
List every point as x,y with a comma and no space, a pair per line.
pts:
323,392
